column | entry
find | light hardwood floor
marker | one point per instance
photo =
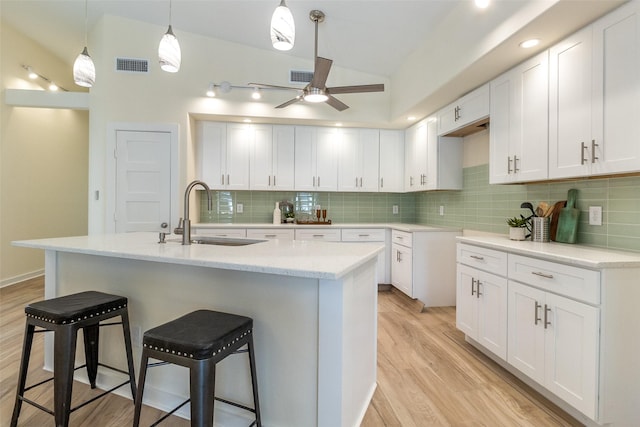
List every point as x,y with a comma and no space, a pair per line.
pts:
427,375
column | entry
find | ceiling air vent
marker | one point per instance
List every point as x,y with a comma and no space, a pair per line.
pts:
132,65
297,76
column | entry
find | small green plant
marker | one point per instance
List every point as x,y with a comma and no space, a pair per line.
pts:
516,222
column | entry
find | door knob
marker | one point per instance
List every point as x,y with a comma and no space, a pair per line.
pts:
164,225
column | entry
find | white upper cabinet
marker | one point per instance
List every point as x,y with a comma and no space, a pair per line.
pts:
391,161
316,161
358,154
595,98
519,123
224,150
415,157
272,158
470,108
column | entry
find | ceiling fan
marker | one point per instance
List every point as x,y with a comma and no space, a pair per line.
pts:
316,91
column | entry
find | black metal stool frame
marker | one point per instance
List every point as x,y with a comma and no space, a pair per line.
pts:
64,353
201,382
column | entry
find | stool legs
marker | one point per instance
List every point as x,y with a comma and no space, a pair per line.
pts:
64,355
138,400
202,375
254,381
22,375
91,339
126,331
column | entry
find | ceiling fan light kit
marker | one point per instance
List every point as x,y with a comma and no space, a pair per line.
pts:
283,28
316,90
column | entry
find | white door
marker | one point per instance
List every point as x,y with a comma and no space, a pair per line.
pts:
143,181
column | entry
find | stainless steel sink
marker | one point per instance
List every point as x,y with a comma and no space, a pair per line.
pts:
219,241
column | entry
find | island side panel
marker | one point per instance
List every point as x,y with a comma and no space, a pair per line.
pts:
284,309
348,346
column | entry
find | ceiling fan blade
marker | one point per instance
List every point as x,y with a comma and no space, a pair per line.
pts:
274,86
321,72
336,103
289,102
356,89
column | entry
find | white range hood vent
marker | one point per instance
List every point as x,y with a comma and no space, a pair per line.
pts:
132,65
299,76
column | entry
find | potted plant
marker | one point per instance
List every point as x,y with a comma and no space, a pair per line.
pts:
517,228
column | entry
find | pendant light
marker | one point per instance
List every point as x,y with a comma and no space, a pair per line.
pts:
84,71
283,29
169,53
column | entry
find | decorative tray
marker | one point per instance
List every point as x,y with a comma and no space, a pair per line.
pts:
327,222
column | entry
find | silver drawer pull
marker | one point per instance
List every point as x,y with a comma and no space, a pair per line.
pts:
270,235
363,235
480,258
318,235
541,274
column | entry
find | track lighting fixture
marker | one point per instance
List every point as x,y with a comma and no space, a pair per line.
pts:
283,29
84,71
214,90
169,53
34,75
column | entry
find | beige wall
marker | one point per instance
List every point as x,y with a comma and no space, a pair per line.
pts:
43,160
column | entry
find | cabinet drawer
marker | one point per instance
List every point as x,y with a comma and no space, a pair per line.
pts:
220,232
270,233
363,235
402,238
316,234
482,258
573,282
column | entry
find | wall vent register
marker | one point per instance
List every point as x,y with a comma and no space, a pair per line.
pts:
132,65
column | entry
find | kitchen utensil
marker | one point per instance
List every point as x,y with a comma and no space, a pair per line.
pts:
555,213
568,220
527,205
544,207
539,211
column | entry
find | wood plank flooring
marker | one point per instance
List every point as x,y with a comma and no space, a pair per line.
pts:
427,375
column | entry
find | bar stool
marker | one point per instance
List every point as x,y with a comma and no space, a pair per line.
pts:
65,316
198,341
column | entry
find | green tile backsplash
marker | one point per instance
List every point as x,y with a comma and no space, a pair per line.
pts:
479,206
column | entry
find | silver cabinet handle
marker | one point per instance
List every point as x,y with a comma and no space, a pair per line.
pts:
399,257
411,181
227,179
593,151
269,180
274,180
314,181
363,235
536,319
547,309
473,282
318,181
479,258
583,160
317,236
360,182
541,274
515,164
222,179
381,182
356,181
478,293
509,165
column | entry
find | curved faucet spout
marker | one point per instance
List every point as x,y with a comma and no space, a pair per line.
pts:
186,233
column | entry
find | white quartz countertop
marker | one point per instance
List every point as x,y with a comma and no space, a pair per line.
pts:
410,228
577,255
309,259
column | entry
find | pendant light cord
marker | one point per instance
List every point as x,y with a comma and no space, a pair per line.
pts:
86,19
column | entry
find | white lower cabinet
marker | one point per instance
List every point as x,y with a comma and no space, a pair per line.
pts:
554,340
402,268
372,235
482,308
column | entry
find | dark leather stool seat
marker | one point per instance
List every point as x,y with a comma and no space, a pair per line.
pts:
65,316
198,341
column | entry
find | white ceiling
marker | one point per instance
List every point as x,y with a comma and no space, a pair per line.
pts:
371,36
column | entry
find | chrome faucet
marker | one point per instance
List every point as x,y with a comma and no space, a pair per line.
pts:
186,222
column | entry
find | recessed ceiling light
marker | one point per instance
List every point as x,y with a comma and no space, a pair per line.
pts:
529,43
411,118
482,4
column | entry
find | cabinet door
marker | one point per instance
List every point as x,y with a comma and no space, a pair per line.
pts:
526,337
239,139
369,145
491,293
416,156
467,301
283,158
305,168
500,134
571,348
212,137
409,157
326,160
448,118
261,161
570,88
350,160
391,161
401,269
617,96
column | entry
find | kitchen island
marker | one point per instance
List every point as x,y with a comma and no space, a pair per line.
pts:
314,306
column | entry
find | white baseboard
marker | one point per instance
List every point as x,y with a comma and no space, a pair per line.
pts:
21,278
